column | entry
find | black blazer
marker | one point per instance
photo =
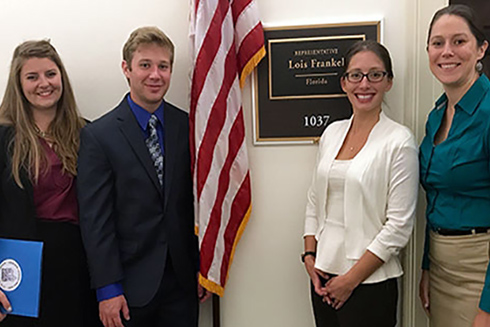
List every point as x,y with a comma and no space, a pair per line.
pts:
129,224
17,211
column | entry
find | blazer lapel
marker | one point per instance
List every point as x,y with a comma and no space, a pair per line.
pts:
132,132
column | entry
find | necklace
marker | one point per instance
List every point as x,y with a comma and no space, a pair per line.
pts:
42,134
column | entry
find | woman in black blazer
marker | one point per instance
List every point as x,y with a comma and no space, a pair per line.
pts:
39,138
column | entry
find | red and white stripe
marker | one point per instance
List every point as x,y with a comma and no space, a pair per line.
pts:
227,42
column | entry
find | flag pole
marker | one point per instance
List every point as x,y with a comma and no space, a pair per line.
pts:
216,311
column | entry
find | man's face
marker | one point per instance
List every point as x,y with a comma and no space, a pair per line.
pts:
149,75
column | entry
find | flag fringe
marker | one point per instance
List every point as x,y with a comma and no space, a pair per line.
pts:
212,286
251,64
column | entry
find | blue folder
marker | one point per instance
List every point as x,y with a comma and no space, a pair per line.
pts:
20,275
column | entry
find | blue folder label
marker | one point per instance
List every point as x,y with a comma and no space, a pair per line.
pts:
10,275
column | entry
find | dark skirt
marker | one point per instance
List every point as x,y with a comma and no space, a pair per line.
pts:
66,297
369,305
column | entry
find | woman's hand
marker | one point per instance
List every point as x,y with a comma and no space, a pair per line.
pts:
482,319
315,274
339,289
424,291
6,304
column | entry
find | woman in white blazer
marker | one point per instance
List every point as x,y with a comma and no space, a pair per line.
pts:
361,203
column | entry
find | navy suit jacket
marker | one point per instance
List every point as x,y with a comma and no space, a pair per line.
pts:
129,223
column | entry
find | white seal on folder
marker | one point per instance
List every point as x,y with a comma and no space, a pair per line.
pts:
10,275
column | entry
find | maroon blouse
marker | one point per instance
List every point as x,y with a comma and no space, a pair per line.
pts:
55,194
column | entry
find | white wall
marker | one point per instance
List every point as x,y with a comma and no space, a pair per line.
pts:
89,36
267,285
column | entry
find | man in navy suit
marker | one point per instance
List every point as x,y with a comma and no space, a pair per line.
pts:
135,197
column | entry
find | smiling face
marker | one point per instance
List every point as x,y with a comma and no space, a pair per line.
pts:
149,75
453,52
41,83
366,96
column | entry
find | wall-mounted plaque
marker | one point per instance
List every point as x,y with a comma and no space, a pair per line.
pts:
297,87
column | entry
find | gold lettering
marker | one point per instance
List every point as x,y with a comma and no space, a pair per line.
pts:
298,64
316,52
330,63
316,81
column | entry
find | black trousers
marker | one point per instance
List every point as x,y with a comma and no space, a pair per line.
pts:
370,305
172,306
66,297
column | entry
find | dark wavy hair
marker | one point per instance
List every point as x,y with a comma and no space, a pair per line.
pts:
369,45
465,13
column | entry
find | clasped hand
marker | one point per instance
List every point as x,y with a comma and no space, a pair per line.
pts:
336,291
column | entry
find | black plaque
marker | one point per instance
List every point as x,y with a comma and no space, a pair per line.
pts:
297,86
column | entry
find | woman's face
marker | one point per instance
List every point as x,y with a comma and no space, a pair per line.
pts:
41,83
365,95
453,52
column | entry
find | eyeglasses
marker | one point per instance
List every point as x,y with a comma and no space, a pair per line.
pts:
374,76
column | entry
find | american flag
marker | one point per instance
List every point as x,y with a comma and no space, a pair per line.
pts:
227,42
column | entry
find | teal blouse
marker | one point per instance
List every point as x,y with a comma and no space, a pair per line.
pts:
456,173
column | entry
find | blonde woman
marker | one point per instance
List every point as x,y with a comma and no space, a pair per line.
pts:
39,138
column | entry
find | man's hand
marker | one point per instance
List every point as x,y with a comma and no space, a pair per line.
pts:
202,293
6,305
110,311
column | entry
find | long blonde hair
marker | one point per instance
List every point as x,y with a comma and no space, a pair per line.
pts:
26,149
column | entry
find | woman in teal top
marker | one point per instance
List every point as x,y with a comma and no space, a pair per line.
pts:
455,173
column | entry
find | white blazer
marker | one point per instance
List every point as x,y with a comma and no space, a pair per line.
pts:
380,191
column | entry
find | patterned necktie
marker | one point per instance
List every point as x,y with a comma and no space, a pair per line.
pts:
154,148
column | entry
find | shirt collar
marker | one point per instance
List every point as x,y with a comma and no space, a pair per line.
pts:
469,102
143,116
441,102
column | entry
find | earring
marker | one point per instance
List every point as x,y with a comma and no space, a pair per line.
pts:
479,66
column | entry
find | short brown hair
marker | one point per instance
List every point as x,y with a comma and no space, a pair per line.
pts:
146,35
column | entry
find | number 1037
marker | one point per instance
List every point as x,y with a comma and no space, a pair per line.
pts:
315,120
